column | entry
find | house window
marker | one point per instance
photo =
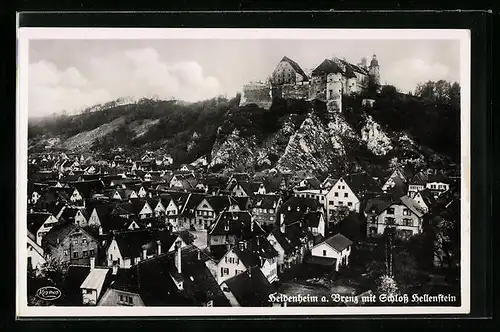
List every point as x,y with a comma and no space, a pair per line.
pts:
346,194
324,252
88,291
407,222
341,203
390,211
75,254
75,242
330,202
85,254
406,212
389,221
336,194
66,252
84,240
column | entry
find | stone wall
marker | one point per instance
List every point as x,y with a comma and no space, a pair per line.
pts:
256,93
295,91
317,89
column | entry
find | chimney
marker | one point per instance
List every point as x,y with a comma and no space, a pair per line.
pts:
144,252
178,259
159,247
115,269
92,263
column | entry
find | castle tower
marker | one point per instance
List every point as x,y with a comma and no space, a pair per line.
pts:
374,70
334,92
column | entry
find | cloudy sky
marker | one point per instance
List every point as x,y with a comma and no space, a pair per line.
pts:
73,74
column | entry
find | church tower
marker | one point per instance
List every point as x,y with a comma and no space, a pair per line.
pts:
374,70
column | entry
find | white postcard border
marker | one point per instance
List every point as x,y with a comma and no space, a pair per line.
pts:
26,34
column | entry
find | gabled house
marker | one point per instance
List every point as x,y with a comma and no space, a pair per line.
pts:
349,191
248,289
437,184
35,255
185,182
254,252
69,244
425,198
128,248
92,288
334,251
230,228
74,215
289,252
404,215
399,174
328,183
295,210
188,214
235,178
180,278
139,207
187,168
174,208
158,207
265,208
39,224
241,189
417,183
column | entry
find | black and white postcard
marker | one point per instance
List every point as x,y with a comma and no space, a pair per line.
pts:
232,172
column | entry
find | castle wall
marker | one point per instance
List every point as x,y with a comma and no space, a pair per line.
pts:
317,88
259,94
296,91
334,87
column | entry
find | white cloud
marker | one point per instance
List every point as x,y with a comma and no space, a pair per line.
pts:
135,73
407,73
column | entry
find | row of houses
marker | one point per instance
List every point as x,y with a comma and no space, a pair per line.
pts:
108,231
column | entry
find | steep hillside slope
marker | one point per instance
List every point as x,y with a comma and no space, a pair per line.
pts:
291,135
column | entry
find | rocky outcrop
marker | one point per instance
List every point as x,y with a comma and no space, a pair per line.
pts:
309,148
234,152
376,139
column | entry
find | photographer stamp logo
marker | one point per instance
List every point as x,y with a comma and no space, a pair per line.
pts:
48,293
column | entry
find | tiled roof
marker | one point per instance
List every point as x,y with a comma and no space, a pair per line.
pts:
326,67
239,224
250,288
362,183
338,242
295,67
36,220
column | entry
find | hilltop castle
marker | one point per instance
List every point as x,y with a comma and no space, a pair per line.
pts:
327,82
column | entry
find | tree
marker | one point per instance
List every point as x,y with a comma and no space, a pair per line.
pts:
442,91
387,285
426,90
339,214
455,95
389,91
373,87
